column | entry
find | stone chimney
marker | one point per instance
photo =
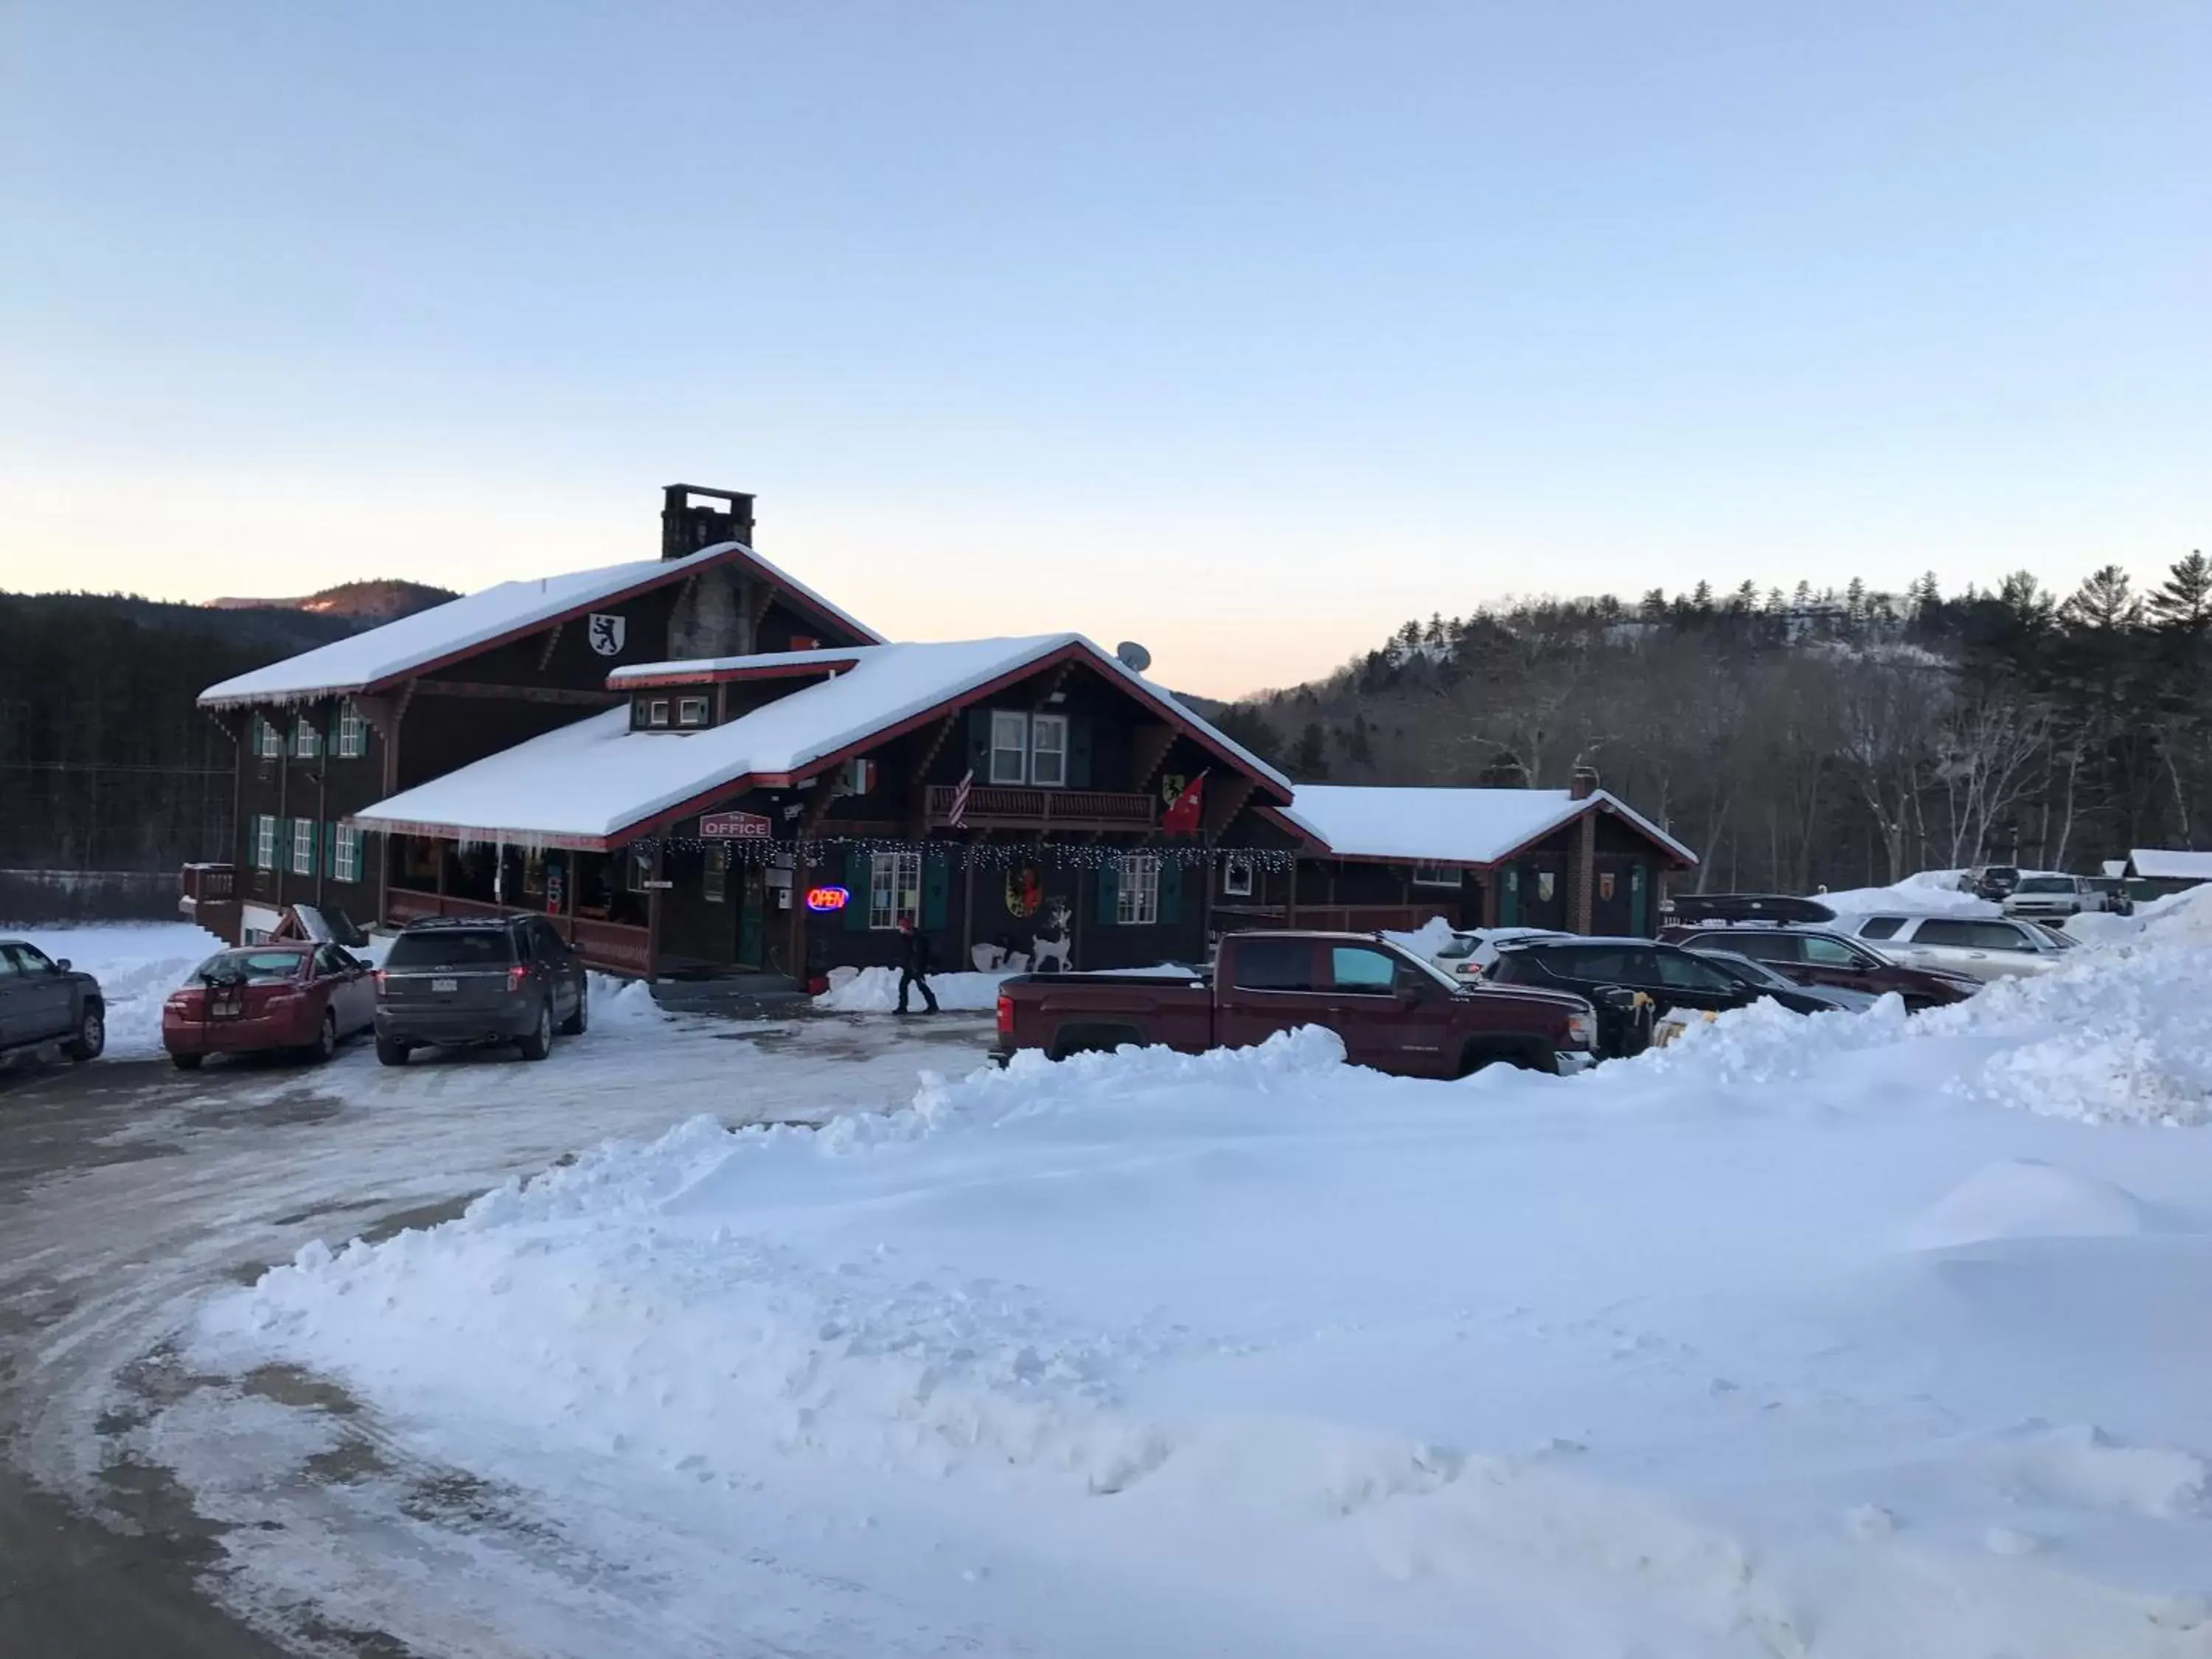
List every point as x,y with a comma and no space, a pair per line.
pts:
1584,783
688,525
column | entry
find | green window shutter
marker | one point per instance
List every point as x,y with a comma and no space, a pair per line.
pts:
1109,892
936,889
979,744
1170,891
857,870
1078,753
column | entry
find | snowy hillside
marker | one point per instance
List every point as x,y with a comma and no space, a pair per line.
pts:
1858,1336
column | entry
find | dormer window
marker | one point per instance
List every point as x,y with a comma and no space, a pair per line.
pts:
656,712
691,711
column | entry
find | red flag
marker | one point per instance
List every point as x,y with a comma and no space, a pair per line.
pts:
1182,817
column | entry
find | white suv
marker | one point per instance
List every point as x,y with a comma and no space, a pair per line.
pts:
1983,947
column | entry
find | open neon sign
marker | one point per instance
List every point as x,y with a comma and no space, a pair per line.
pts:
827,898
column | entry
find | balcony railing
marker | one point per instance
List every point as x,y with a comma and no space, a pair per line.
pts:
617,947
994,806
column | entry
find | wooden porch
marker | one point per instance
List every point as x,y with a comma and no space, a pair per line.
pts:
993,806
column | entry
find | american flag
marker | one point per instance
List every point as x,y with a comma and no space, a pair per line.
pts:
958,816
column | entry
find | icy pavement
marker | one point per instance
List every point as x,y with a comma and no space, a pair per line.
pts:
1854,1336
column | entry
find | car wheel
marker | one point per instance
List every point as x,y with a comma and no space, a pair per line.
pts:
326,1037
390,1053
91,1035
540,1042
579,1022
186,1062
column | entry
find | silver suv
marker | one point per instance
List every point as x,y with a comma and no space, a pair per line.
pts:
1983,947
2046,893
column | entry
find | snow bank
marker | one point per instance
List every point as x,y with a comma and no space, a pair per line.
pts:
1794,1338
619,1004
875,991
1431,937
138,965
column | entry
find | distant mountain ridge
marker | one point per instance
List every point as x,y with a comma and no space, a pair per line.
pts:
381,600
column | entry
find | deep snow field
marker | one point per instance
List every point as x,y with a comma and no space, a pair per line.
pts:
1847,1336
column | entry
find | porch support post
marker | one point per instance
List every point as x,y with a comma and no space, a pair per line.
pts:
1582,875
653,897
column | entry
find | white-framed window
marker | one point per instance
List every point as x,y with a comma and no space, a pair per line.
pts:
1435,875
353,733
307,737
264,841
269,742
1049,751
1236,878
656,712
345,860
303,847
894,889
637,866
1010,746
691,711
1137,901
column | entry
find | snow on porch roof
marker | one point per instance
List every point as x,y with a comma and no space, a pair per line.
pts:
1449,826
2169,864
478,621
597,780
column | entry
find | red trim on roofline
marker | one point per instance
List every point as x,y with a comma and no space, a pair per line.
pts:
627,679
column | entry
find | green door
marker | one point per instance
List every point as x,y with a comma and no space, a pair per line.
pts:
752,915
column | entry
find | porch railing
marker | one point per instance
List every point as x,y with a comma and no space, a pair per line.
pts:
992,806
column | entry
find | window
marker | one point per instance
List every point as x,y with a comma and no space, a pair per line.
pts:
1237,879
29,959
1758,946
716,878
1606,965
2045,885
451,947
353,733
306,738
656,712
1010,746
691,711
1049,751
1356,968
637,870
1273,964
264,842
345,862
1680,971
1137,901
268,741
303,847
1830,953
894,889
1435,875
1881,927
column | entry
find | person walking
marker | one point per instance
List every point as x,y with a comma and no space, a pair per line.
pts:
915,963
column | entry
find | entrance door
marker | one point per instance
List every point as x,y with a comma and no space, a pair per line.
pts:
752,915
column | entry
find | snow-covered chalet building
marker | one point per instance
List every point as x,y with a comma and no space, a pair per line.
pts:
697,766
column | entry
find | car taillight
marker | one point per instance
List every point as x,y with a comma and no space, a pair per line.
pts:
515,976
1006,1017
379,982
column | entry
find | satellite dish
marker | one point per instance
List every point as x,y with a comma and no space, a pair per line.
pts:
1134,657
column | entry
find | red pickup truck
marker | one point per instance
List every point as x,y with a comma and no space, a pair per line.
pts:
1394,1012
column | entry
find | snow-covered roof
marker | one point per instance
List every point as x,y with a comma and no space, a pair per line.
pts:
478,621
2168,863
1449,826
595,780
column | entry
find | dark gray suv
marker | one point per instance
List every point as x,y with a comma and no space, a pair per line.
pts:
492,979
45,1002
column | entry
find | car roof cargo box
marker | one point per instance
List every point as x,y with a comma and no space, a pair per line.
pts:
1728,908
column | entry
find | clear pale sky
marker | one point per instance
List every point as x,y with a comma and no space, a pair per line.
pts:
1245,330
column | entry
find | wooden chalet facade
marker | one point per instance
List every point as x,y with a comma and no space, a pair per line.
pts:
323,735
1009,798
698,766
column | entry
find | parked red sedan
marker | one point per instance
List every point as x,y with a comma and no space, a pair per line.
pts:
301,997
